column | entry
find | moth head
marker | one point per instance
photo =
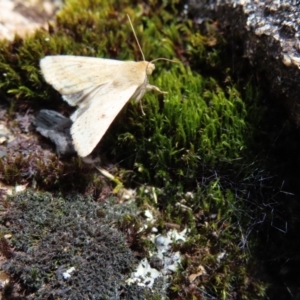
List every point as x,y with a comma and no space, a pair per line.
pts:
150,68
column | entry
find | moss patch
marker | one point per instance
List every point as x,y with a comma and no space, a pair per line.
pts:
194,141
200,124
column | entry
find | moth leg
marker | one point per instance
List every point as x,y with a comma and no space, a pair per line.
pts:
142,108
150,87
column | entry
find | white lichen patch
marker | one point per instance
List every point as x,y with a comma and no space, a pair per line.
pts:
162,262
66,275
144,275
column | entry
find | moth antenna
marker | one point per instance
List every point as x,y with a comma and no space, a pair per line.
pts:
137,41
161,58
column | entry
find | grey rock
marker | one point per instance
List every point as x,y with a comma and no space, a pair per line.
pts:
270,33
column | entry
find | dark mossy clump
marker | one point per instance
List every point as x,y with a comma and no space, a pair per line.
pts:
27,162
51,234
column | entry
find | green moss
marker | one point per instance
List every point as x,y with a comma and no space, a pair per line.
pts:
85,29
197,124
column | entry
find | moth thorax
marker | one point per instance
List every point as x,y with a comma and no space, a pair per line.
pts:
150,68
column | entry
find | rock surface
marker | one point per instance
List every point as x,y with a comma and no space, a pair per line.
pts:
56,127
270,33
24,17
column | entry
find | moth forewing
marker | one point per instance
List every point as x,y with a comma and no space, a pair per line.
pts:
99,87
89,127
71,74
